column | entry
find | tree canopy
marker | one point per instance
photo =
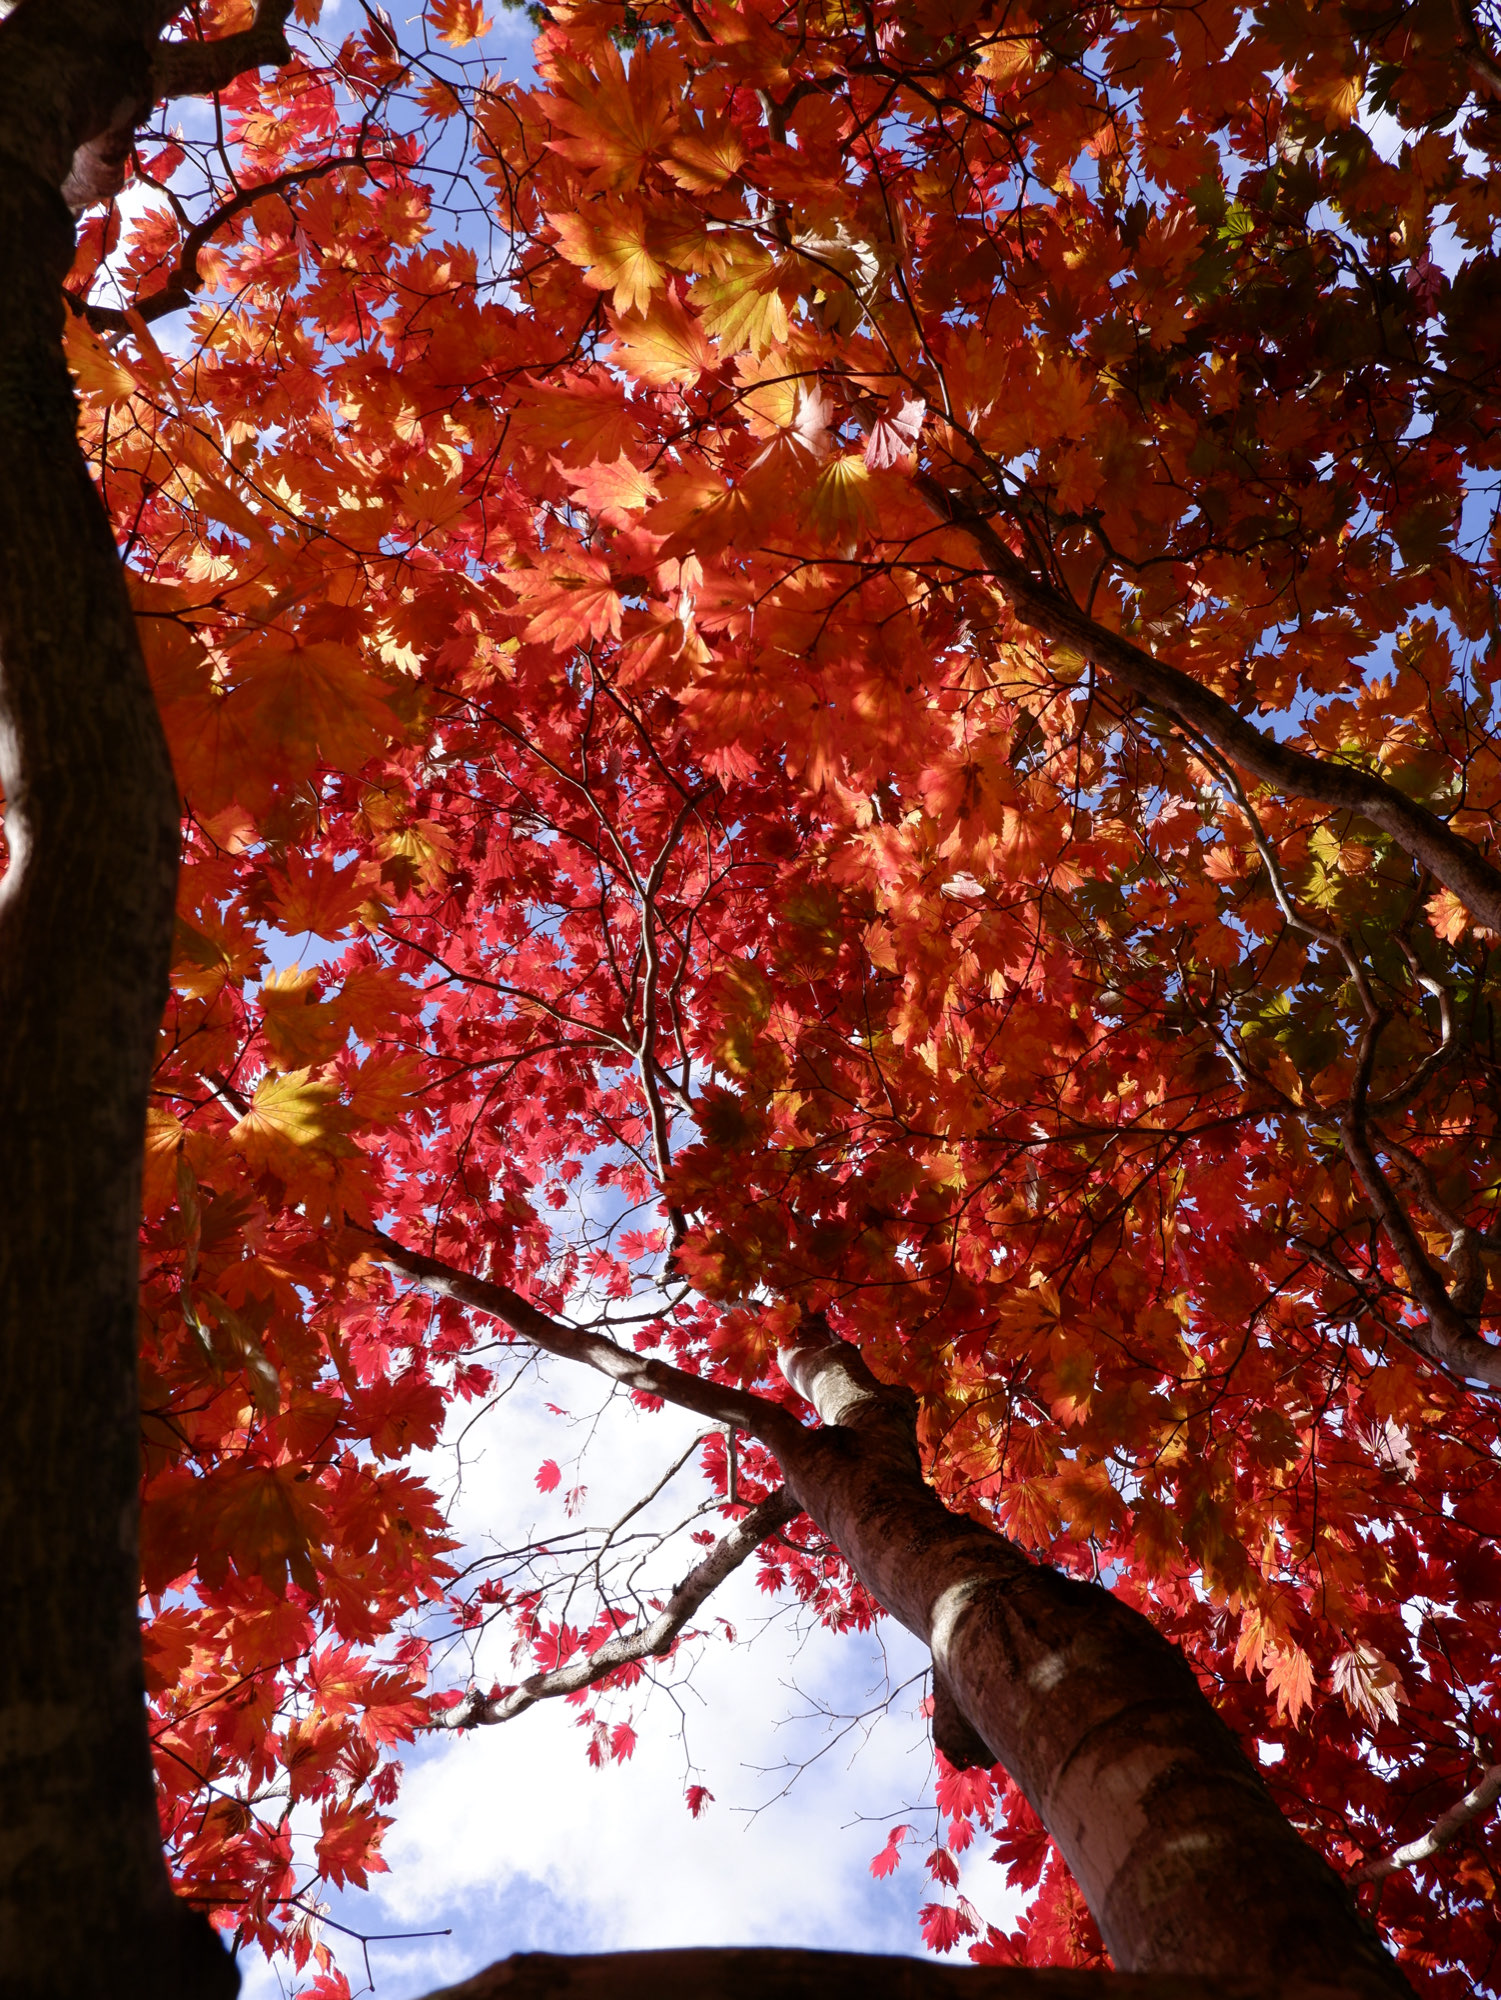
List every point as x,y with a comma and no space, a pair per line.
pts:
866,633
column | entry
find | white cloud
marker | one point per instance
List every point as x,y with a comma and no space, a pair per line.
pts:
509,1837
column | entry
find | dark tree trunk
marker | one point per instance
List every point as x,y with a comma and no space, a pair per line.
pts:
777,1972
86,908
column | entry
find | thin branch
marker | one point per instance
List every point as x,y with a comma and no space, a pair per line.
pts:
187,279
1445,1829
647,1641
1330,1264
1479,61
1449,1338
646,1061
768,1422
1419,832
1404,1094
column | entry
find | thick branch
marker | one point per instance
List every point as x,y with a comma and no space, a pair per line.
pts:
1169,1831
773,1426
78,79
963,1745
198,69
1182,1856
1419,832
1447,1337
647,1641
186,278
1445,1829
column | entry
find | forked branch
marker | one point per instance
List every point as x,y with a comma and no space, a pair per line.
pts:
1448,1338
649,1641
775,1427
187,277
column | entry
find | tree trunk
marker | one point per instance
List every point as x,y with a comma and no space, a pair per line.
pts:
778,1972
1182,1856
86,910
1184,1859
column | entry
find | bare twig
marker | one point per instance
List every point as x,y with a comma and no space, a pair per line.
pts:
648,1641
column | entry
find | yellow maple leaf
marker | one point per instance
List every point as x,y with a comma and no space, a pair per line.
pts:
703,161
1334,96
1004,59
841,502
581,418
769,388
744,307
664,344
458,22
621,488
300,1030
421,852
1028,1512
609,245
1367,1683
313,702
294,1127
1088,1501
95,369
1289,1676
570,596
385,1086
164,1137
1448,916
615,124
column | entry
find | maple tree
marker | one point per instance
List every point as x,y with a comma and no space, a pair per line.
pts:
867,633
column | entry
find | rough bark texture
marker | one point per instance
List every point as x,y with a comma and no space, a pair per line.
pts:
1184,1859
781,1973
85,941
